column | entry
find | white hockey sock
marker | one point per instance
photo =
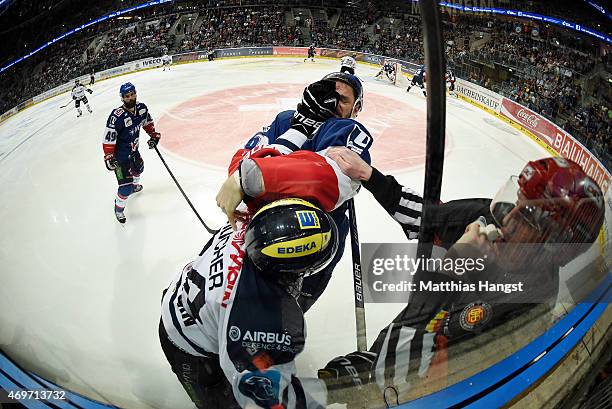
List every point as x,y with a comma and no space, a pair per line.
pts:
79,111
120,202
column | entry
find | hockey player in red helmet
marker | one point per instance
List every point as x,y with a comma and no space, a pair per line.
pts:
538,221
554,202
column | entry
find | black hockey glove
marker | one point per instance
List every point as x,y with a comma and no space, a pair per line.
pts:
154,140
319,102
110,161
90,91
348,371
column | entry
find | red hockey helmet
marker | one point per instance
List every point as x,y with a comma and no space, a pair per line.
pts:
557,198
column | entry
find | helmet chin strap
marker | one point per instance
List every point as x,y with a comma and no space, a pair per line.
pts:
355,112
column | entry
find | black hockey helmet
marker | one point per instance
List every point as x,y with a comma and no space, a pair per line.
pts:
353,82
291,238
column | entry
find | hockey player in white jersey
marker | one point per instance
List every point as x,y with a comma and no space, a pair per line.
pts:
348,64
78,95
166,60
231,326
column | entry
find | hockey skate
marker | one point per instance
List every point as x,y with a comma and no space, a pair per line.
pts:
137,188
120,216
79,114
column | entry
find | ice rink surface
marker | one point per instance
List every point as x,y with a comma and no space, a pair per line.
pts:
80,293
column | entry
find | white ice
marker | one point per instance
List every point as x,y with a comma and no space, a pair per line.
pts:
80,293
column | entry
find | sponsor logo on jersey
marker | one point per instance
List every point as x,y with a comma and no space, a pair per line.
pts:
436,323
142,112
258,341
528,172
128,121
308,219
234,333
235,266
475,315
263,388
267,337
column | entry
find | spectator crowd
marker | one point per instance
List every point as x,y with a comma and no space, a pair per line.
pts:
545,68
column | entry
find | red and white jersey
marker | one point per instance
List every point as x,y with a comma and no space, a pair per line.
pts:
305,174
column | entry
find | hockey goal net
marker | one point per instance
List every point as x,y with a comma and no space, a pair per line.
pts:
400,78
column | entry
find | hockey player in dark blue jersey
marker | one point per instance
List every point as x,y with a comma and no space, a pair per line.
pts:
419,79
120,145
324,118
311,53
388,68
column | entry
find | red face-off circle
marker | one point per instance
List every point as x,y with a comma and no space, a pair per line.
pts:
210,128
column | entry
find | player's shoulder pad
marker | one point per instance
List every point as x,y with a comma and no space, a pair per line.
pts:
285,115
115,115
279,126
345,124
343,132
141,108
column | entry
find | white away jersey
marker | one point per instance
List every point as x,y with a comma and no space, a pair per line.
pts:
78,92
220,304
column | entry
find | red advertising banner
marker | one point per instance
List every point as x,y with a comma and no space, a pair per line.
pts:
293,51
556,139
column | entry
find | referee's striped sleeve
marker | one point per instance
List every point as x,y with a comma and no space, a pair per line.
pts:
402,203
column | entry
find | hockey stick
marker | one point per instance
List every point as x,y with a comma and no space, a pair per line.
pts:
64,106
362,344
211,231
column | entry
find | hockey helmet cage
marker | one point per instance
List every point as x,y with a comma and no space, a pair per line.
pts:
352,81
291,238
125,88
559,200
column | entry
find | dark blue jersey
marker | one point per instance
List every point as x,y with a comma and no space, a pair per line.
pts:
123,130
